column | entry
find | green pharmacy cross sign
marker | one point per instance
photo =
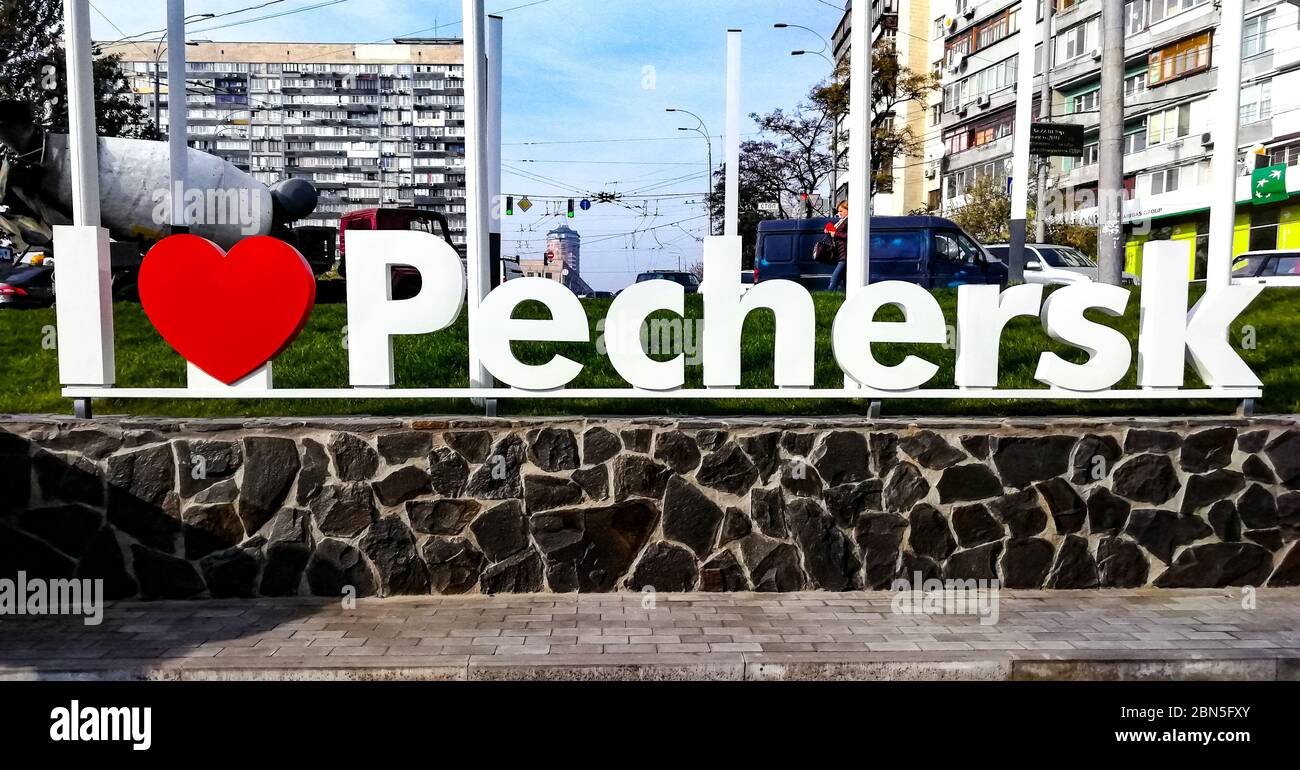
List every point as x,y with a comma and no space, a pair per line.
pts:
1268,185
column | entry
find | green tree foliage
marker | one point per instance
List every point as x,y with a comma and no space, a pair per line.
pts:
33,73
794,155
986,215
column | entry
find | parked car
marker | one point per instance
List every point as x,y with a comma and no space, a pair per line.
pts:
26,286
1054,265
688,280
1269,268
928,251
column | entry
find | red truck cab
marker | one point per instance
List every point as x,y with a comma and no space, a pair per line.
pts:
406,281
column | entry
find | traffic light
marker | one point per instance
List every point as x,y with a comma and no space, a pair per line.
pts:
510,205
571,207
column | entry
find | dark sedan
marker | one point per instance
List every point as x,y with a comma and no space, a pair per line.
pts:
26,286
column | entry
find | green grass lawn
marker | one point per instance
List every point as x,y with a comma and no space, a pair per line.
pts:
318,359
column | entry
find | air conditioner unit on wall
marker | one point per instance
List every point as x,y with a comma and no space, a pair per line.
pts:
983,101
1207,140
969,13
931,173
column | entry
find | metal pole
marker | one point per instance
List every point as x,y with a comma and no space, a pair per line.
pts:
493,151
83,142
157,87
1044,114
177,119
477,186
732,201
1021,161
1110,146
708,180
858,268
1227,108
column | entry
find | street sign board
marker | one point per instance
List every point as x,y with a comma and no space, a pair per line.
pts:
586,205
1056,140
1268,185
769,207
525,204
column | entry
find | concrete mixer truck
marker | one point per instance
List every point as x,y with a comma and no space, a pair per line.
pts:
223,203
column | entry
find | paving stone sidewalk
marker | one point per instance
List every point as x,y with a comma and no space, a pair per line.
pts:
1144,634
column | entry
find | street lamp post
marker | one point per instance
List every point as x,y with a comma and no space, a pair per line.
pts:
835,128
703,131
157,84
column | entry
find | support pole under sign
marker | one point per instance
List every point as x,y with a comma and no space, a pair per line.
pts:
83,268
1227,108
477,187
858,269
732,202
494,144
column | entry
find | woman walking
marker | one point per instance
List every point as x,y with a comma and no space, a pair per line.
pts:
839,233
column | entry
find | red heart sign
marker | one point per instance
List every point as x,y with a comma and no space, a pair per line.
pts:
228,314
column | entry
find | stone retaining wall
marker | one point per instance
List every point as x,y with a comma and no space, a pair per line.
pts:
181,509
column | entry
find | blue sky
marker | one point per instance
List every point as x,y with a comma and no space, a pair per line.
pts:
579,73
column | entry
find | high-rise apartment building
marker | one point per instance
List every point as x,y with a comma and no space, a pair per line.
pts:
1171,75
370,125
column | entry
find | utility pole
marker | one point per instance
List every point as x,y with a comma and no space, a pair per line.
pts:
1110,146
1227,108
1044,114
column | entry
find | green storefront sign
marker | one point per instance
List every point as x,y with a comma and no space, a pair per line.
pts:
1268,185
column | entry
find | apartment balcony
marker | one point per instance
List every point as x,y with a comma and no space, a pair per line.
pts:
1081,11
977,156
1174,91
974,110
1077,71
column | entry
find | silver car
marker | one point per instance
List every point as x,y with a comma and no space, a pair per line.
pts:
1267,268
1050,264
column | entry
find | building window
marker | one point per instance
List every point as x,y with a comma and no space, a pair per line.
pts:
1254,35
1257,102
1135,85
1164,181
1163,9
1135,140
1076,41
1168,125
1186,57
938,28
1288,154
1088,102
1090,154
1135,16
